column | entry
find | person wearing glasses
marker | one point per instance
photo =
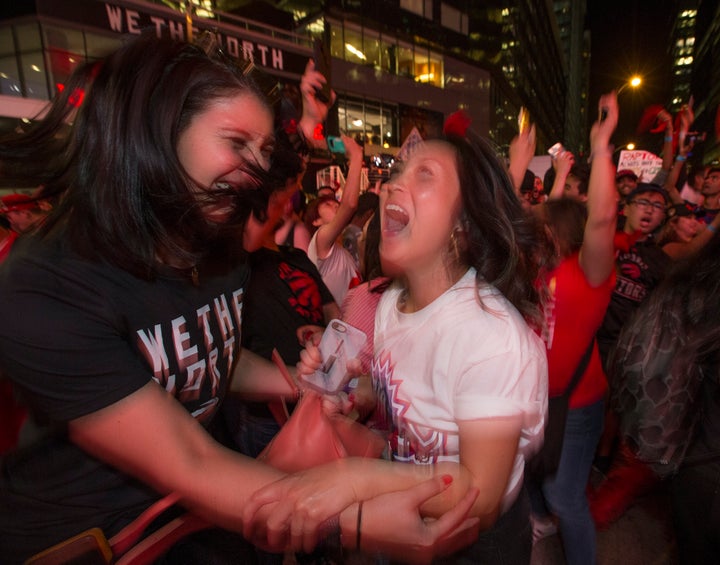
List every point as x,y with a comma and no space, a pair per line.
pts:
641,265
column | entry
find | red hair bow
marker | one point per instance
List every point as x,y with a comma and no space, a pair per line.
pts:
457,123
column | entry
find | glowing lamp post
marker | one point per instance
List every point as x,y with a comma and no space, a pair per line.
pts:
634,82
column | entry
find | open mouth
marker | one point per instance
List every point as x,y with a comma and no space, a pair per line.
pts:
395,220
645,222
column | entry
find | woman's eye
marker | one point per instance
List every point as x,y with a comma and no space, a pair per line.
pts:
239,144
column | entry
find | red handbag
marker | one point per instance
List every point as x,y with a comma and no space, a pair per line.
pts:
310,437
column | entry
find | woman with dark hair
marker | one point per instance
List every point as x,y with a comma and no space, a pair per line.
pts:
460,375
580,279
121,317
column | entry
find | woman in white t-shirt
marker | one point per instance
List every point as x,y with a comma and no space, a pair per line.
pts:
460,375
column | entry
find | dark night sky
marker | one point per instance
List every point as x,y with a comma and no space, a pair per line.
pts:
631,37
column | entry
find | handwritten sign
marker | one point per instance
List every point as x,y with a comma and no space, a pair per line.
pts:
644,164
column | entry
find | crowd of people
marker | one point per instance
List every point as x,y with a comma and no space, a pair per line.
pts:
166,287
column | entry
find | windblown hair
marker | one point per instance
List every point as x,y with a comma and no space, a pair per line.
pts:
124,195
502,240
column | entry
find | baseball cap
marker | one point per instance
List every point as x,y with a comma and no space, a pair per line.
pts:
680,210
644,187
15,202
625,173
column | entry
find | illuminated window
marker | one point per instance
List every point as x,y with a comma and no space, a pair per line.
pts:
368,122
353,51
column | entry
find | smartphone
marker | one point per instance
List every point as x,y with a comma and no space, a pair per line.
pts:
322,64
339,342
335,144
523,119
555,150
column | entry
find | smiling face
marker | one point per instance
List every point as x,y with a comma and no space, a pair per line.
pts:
625,185
220,142
645,212
419,209
686,228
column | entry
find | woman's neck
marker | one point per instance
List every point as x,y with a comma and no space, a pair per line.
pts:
423,289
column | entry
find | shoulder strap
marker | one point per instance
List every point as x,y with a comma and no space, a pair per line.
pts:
580,370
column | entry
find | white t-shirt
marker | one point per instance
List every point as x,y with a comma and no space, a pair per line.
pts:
338,269
459,358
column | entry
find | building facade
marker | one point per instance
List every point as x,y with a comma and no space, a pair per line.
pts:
396,64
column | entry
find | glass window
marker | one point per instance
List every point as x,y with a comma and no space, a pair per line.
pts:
9,77
371,48
354,47
451,17
64,39
388,55
337,44
34,73
98,46
422,8
66,51
7,46
428,68
28,36
405,65
370,123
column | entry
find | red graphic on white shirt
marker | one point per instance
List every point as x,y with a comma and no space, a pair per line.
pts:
409,440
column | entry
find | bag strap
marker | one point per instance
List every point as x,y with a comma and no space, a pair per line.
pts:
580,369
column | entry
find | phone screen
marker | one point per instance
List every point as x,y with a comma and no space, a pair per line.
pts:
335,144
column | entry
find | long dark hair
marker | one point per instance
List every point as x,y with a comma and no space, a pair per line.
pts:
124,197
566,218
502,240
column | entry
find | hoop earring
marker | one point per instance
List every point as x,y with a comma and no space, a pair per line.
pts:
454,242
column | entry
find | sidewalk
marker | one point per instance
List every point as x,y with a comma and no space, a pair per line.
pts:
642,536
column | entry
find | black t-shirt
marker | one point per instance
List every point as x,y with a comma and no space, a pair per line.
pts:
639,271
285,292
78,336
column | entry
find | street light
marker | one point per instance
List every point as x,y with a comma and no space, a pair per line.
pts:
629,146
634,82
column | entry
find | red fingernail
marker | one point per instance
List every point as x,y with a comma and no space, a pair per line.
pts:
351,397
447,479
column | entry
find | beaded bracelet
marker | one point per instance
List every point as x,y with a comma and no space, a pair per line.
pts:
668,138
680,158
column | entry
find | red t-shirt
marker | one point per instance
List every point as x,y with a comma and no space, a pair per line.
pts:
573,315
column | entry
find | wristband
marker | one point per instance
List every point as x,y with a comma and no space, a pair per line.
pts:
668,138
359,521
711,227
680,158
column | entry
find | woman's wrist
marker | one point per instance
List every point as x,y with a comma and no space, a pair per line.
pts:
351,526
